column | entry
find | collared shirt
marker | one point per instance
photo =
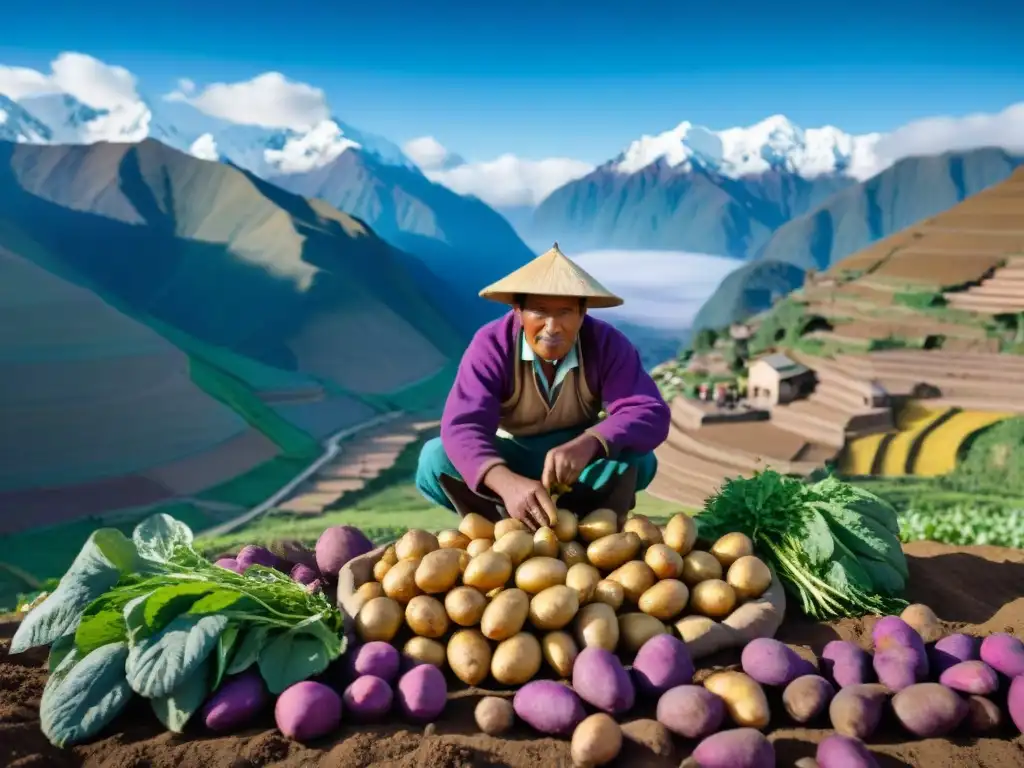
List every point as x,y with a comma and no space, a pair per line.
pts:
562,369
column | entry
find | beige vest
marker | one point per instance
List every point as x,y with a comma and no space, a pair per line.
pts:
526,412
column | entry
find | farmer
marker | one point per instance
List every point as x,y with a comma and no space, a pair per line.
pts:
523,416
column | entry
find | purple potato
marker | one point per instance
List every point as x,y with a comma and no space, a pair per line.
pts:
898,668
807,697
771,662
846,664
975,677
549,707
303,574
376,658
691,711
857,709
236,702
893,634
1004,653
738,748
422,693
929,710
337,545
600,680
307,710
253,555
368,698
663,662
229,563
1015,702
840,751
983,716
951,650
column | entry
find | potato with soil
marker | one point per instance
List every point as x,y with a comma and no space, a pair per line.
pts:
598,524
771,662
488,570
554,608
641,525
691,711
731,547
974,677
439,570
610,593
713,598
738,748
807,697
572,552
923,620
649,736
494,715
635,629
929,710
597,626
336,546
400,582
599,678
900,658
560,652
635,578
1015,702
609,552
426,616
584,578
379,619
983,715
423,650
414,544
517,660
680,533
307,710
745,700
538,573
846,663
838,751
549,707
749,577
469,656
952,649
465,606
665,600
377,658
596,741
700,566
422,693
856,710
367,698
236,702
662,662
664,561
1004,653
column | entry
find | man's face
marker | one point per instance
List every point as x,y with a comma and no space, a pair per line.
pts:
551,324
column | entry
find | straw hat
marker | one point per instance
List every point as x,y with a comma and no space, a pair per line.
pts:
551,274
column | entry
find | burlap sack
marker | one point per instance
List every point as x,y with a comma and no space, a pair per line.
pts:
703,636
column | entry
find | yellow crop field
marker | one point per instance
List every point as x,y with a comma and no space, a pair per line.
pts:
939,448
913,419
859,455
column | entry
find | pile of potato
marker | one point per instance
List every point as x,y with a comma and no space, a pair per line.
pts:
497,599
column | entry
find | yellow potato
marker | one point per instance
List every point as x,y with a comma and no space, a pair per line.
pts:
464,558
494,715
749,577
664,561
584,579
649,533
573,552
516,660
700,566
600,522
731,548
539,573
566,526
635,577
507,525
744,699
380,569
680,533
453,540
476,546
488,570
438,571
426,616
609,552
691,628
379,619
665,600
560,652
469,656
610,593
505,615
494,592
596,741
400,581
414,544
635,629
554,607
425,650
389,555
476,527
518,545
597,627
713,598
367,592
465,606
545,543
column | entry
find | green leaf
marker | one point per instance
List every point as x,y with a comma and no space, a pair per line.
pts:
84,695
167,603
134,613
160,663
106,555
100,629
177,708
158,535
222,600
225,645
886,579
61,647
291,658
248,649
817,542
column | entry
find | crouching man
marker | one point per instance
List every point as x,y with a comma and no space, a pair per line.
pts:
523,417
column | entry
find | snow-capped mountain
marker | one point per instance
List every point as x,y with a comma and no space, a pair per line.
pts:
774,144
16,124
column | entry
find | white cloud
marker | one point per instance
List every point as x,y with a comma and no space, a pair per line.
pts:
506,182
91,81
269,100
935,135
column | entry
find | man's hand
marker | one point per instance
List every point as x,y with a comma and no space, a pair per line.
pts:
564,465
524,499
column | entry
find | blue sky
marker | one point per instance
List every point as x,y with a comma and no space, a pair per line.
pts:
581,80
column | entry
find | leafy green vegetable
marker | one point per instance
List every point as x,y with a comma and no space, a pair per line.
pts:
176,708
225,647
249,647
292,657
160,663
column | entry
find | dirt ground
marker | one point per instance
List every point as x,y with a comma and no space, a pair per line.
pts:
975,589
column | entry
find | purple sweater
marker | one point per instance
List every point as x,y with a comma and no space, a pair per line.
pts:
637,415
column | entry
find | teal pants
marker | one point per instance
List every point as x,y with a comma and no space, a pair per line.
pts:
525,456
